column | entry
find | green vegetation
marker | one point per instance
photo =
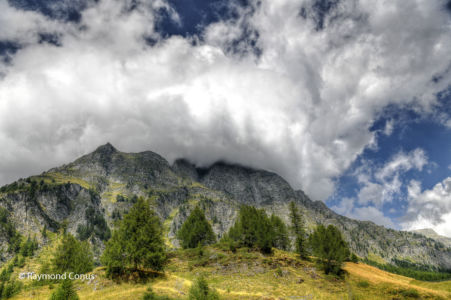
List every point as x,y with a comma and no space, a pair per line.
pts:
96,225
65,291
121,198
201,291
406,293
10,289
411,271
329,247
297,227
252,229
363,284
196,230
150,295
28,247
280,239
8,230
137,243
72,255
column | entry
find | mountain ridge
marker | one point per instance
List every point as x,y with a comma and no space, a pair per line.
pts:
107,180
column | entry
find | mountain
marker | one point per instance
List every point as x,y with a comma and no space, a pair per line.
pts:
430,233
89,194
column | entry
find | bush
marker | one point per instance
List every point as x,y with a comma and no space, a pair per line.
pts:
137,243
354,258
196,230
363,284
11,288
329,247
406,293
150,295
65,291
200,291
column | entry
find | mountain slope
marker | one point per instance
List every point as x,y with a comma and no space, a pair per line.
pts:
106,182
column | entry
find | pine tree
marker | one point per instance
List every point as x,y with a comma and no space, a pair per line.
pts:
137,243
65,291
297,227
329,247
72,255
252,229
280,238
201,291
196,230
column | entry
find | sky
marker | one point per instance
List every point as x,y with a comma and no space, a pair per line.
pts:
348,100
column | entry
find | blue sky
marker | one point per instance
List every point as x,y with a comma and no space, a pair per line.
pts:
348,100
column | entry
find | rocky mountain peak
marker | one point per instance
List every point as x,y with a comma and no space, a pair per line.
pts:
106,149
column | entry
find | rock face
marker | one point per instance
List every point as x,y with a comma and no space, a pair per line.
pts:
106,182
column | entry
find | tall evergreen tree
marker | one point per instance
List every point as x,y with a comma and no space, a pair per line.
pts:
137,243
252,229
196,230
280,238
297,227
72,255
329,247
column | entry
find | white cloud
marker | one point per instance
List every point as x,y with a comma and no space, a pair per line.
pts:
302,109
380,185
389,127
366,213
429,208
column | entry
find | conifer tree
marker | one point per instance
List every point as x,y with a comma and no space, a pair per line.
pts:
252,229
280,238
137,243
65,291
196,230
72,255
201,291
297,227
329,247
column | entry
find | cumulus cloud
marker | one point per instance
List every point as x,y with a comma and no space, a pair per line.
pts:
301,105
379,185
348,208
429,208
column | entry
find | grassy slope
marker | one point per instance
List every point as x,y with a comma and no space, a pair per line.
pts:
248,275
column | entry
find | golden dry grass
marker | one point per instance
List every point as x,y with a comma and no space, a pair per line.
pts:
251,275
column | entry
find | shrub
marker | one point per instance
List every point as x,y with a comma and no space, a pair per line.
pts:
150,295
363,284
11,288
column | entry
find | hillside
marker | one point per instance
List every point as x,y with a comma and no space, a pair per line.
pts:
245,275
104,184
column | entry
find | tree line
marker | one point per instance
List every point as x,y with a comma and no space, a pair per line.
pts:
137,245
